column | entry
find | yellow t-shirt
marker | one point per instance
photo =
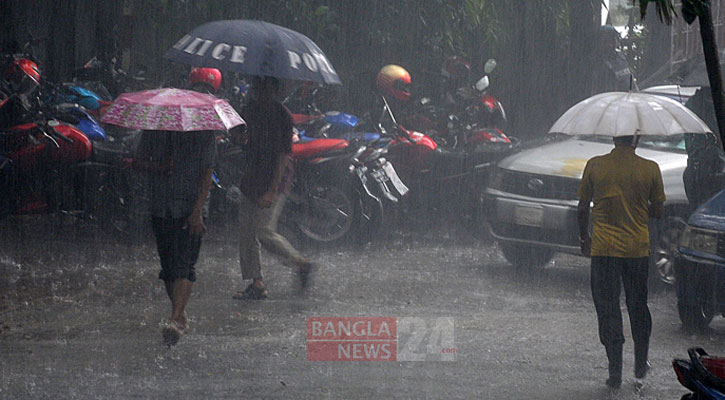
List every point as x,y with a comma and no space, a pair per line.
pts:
622,186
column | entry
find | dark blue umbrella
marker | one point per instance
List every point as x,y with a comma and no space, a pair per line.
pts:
254,48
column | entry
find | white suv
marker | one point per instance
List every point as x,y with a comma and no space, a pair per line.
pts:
531,199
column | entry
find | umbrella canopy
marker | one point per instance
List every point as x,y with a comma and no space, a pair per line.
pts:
171,110
627,114
254,48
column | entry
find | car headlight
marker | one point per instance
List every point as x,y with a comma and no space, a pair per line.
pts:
496,179
699,240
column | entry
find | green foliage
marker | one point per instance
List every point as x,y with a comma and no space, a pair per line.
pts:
665,9
691,9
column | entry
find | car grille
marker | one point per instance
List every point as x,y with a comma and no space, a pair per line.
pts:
535,185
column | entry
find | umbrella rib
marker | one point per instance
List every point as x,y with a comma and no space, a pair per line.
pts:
604,112
664,130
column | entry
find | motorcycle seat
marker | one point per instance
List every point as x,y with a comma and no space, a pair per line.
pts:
299,119
315,147
364,136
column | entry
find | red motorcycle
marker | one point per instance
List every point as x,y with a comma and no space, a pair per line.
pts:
35,163
465,119
440,178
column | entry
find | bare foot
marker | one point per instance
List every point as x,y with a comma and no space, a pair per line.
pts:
183,322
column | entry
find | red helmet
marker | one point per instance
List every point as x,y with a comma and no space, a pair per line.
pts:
207,76
456,68
23,75
394,80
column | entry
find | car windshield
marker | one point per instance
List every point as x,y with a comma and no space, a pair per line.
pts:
674,143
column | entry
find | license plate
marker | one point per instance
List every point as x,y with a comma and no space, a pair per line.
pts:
394,179
528,216
361,174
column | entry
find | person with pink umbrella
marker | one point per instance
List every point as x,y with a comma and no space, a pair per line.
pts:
177,150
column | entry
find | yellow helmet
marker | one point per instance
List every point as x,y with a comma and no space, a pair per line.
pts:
394,80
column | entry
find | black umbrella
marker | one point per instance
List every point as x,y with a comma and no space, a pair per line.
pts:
254,48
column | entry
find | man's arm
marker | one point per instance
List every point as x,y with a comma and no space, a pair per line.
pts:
268,198
195,222
657,195
582,218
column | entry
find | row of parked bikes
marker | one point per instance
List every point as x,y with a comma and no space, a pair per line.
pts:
350,173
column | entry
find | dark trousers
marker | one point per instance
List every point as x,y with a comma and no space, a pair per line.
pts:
178,250
608,275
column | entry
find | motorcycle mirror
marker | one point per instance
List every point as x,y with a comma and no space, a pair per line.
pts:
482,83
489,66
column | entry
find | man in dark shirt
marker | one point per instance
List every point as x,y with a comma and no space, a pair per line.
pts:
269,143
180,166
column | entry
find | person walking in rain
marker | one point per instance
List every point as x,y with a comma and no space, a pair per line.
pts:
626,190
180,168
265,173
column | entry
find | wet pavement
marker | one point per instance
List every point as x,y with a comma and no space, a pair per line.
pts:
81,314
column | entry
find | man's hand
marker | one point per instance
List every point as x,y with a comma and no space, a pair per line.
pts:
195,224
585,244
267,199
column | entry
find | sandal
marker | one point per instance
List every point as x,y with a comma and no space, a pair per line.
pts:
252,292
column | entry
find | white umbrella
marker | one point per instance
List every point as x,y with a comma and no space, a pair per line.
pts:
627,114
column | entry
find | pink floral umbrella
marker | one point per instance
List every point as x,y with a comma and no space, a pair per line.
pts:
171,109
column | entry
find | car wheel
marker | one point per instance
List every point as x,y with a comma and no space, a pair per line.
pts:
695,303
526,256
664,252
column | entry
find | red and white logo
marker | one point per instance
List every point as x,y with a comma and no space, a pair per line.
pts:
380,339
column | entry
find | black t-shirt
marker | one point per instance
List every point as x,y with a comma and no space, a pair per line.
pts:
270,135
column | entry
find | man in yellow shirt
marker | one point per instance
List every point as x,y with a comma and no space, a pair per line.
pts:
626,190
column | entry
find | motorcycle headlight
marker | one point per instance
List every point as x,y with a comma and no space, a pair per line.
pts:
699,240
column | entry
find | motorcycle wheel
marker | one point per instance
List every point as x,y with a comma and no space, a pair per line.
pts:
371,219
108,202
328,213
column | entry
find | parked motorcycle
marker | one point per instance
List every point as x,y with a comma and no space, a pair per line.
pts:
337,194
442,179
702,374
39,157
467,120
55,159
107,79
